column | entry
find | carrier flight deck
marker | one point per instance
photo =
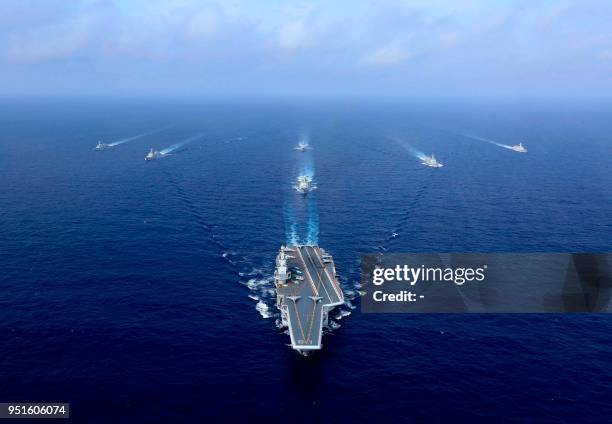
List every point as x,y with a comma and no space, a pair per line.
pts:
306,290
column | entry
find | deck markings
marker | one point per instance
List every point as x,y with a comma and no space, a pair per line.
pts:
333,280
318,275
312,318
314,308
308,273
299,321
310,268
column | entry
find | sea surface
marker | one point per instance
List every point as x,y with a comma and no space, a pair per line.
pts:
142,291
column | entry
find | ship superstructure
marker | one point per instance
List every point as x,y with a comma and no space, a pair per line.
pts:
304,184
153,154
306,291
431,161
302,146
101,146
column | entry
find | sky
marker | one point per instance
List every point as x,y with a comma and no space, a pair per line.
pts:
383,48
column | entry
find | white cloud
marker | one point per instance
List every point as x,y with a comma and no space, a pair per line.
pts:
606,54
208,43
388,55
51,43
292,35
205,23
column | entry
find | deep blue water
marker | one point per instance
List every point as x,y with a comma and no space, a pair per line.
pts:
130,289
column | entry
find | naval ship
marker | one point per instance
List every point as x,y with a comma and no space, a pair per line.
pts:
101,146
306,291
304,184
153,154
431,161
519,148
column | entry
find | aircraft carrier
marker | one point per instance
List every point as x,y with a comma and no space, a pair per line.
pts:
306,291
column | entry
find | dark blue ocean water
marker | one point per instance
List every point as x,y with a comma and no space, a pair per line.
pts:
138,291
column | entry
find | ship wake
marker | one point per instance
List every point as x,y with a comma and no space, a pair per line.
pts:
134,137
312,225
487,140
410,149
180,144
258,279
261,287
291,227
300,232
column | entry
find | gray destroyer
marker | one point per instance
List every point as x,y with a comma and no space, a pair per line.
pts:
306,291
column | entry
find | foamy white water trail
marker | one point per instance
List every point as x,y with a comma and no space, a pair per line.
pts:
304,137
312,227
263,309
307,168
135,137
341,314
410,149
291,227
180,144
486,140
302,229
125,140
262,291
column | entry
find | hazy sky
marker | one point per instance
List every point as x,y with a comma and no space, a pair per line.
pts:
397,48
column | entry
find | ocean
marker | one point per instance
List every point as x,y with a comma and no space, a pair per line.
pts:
142,291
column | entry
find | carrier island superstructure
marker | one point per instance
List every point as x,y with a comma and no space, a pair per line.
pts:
306,291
